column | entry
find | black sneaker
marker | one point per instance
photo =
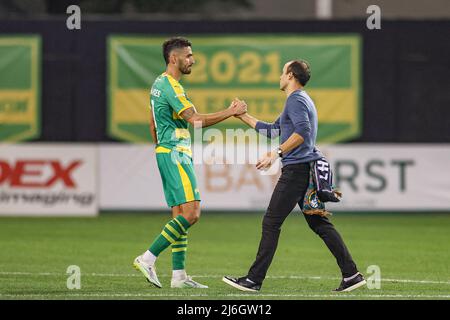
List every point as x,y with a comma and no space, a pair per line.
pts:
244,283
352,284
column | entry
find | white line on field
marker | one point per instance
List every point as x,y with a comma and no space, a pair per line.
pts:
215,276
255,295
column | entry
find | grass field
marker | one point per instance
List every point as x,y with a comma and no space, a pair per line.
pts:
412,251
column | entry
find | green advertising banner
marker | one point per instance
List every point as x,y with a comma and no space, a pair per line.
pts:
247,67
20,58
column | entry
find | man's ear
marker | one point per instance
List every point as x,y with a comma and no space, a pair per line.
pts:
172,58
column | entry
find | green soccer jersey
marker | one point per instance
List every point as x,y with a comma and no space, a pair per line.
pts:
167,101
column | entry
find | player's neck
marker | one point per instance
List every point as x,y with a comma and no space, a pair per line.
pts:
294,86
173,72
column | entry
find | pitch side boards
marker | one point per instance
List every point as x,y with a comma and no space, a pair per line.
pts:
247,67
48,179
20,59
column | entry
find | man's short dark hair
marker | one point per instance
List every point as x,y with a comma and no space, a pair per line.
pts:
174,43
301,71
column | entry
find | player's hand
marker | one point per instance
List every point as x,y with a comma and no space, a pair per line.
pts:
266,161
238,107
239,116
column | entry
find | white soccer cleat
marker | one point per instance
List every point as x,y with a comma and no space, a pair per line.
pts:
186,283
147,270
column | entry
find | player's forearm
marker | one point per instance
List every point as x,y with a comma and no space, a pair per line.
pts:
249,120
210,119
291,143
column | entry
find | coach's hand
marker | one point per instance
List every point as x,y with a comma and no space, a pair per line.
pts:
266,161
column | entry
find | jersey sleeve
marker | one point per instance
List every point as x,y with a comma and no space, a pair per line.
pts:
271,130
177,97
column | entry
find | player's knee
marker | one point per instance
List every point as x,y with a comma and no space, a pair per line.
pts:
193,217
191,212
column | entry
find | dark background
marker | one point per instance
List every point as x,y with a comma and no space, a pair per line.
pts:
405,72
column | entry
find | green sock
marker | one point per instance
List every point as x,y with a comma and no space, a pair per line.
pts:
171,233
179,248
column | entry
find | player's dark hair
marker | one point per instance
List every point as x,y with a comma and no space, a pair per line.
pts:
174,43
301,71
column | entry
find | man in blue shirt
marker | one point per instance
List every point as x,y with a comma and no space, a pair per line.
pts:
297,125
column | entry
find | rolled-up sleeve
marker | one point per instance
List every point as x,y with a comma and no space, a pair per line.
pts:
271,130
297,112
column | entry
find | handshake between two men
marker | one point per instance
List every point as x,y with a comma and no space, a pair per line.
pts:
239,108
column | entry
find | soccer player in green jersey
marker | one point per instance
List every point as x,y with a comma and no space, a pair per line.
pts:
171,112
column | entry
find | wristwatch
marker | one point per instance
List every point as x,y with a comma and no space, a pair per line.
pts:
280,153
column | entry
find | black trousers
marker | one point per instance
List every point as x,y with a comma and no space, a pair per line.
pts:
289,192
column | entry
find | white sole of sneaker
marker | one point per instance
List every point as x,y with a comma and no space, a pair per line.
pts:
235,285
139,268
355,286
187,287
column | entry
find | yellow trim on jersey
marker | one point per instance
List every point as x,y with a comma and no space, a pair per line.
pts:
176,86
185,150
185,108
162,149
175,116
187,186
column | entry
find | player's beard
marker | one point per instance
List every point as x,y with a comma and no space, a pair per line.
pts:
185,69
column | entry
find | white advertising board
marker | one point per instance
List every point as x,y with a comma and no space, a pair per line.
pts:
48,180
372,177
